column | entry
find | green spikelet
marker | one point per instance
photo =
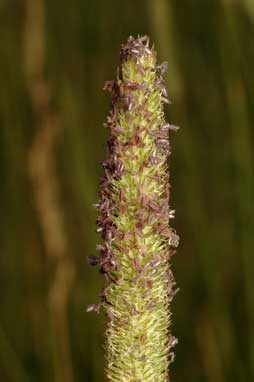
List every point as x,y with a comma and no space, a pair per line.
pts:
134,222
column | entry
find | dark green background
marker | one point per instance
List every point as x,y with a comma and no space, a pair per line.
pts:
210,49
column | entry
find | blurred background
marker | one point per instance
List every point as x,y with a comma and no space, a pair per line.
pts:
55,58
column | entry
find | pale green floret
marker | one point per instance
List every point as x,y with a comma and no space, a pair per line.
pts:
138,334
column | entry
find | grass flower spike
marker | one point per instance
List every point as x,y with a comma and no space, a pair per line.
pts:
134,222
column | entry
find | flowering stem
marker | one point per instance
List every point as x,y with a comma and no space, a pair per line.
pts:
134,222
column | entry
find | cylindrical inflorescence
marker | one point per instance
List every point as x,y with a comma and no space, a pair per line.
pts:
134,222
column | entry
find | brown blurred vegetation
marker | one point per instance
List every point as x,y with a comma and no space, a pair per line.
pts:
55,57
